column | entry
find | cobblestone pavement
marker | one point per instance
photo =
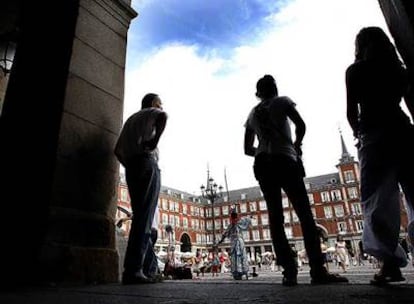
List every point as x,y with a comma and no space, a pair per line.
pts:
356,275
266,288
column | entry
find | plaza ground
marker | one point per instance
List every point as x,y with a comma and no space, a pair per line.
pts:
266,288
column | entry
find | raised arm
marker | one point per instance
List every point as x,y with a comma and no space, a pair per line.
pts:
159,129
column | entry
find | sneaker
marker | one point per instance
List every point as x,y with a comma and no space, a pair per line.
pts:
328,278
382,280
158,278
388,273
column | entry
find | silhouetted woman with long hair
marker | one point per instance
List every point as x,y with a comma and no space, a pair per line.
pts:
376,83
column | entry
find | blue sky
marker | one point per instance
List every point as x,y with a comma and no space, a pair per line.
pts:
204,58
218,25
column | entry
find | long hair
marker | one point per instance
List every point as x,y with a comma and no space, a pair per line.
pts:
372,44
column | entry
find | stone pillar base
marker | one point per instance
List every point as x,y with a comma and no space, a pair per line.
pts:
79,265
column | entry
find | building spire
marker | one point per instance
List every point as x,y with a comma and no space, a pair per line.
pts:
345,157
227,186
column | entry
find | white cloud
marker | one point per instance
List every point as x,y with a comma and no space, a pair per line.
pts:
208,98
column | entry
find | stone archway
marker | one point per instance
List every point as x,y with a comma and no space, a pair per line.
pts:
323,232
185,243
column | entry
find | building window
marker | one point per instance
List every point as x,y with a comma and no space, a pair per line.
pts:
285,202
349,176
218,223
336,195
311,200
164,204
295,218
254,221
327,211
243,208
177,221
339,211
176,207
209,224
262,205
266,234
341,226
171,206
286,215
246,235
216,211
226,222
185,222
253,206
360,226
243,196
171,219
356,208
325,196
352,192
164,219
288,231
256,235
208,212
124,195
265,219
225,210
184,209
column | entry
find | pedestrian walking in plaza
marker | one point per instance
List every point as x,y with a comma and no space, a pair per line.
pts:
278,166
238,257
341,253
376,84
137,151
214,262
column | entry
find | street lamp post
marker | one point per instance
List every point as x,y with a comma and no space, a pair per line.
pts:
210,192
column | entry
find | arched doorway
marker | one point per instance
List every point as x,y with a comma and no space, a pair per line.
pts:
185,242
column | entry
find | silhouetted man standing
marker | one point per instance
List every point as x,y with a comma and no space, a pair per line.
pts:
137,151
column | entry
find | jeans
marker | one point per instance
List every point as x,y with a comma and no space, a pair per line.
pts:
143,180
276,172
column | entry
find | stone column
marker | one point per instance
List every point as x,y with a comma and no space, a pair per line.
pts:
80,244
399,15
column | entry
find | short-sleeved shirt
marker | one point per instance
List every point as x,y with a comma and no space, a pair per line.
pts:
137,130
270,122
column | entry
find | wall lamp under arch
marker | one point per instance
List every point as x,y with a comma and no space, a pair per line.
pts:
7,51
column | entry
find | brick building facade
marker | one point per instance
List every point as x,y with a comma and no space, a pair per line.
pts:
335,203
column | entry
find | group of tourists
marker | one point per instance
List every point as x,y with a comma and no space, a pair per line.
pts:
376,83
